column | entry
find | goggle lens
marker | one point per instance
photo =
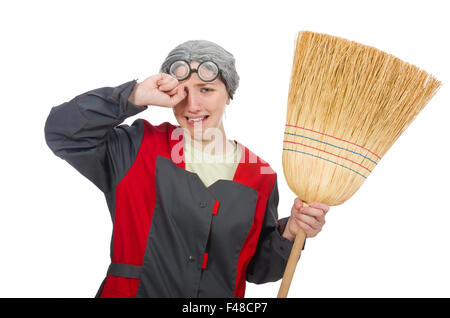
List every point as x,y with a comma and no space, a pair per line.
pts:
207,71
179,70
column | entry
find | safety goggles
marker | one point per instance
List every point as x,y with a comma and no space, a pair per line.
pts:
207,70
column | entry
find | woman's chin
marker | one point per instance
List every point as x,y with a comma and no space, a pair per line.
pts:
195,133
201,132
197,130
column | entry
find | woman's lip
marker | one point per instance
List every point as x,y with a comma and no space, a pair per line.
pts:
187,117
192,124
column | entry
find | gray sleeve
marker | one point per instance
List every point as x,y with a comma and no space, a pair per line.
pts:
85,132
273,250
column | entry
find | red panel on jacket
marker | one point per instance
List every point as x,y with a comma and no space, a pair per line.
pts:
257,174
135,202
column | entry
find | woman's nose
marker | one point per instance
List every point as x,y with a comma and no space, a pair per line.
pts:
192,101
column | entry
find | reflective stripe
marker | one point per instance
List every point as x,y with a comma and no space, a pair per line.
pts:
124,270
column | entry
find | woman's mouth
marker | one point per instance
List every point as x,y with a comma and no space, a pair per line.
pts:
194,121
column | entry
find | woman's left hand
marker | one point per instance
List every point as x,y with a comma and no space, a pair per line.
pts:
311,219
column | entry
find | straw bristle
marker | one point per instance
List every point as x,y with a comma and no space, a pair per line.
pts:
347,104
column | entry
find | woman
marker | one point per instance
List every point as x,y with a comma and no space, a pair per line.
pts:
181,227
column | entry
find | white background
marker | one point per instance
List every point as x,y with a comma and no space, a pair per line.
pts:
391,239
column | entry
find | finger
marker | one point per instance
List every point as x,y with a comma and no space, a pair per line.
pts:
325,208
166,86
298,203
167,80
166,77
318,213
311,221
160,78
179,96
164,81
310,232
305,227
295,210
173,91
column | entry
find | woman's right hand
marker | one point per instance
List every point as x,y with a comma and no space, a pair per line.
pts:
159,90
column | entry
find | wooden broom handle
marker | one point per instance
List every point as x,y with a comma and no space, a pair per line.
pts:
292,262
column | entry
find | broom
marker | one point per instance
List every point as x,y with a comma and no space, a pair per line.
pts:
347,104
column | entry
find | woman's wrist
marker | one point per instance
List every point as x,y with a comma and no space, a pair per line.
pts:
287,234
132,97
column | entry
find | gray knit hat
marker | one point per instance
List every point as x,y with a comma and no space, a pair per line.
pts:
202,50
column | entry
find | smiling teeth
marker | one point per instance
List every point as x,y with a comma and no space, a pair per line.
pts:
197,119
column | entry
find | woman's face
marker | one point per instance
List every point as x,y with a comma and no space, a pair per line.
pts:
203,106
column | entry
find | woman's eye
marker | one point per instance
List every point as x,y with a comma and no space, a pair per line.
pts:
208,89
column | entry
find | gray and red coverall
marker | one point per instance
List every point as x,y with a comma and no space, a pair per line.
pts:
172,235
